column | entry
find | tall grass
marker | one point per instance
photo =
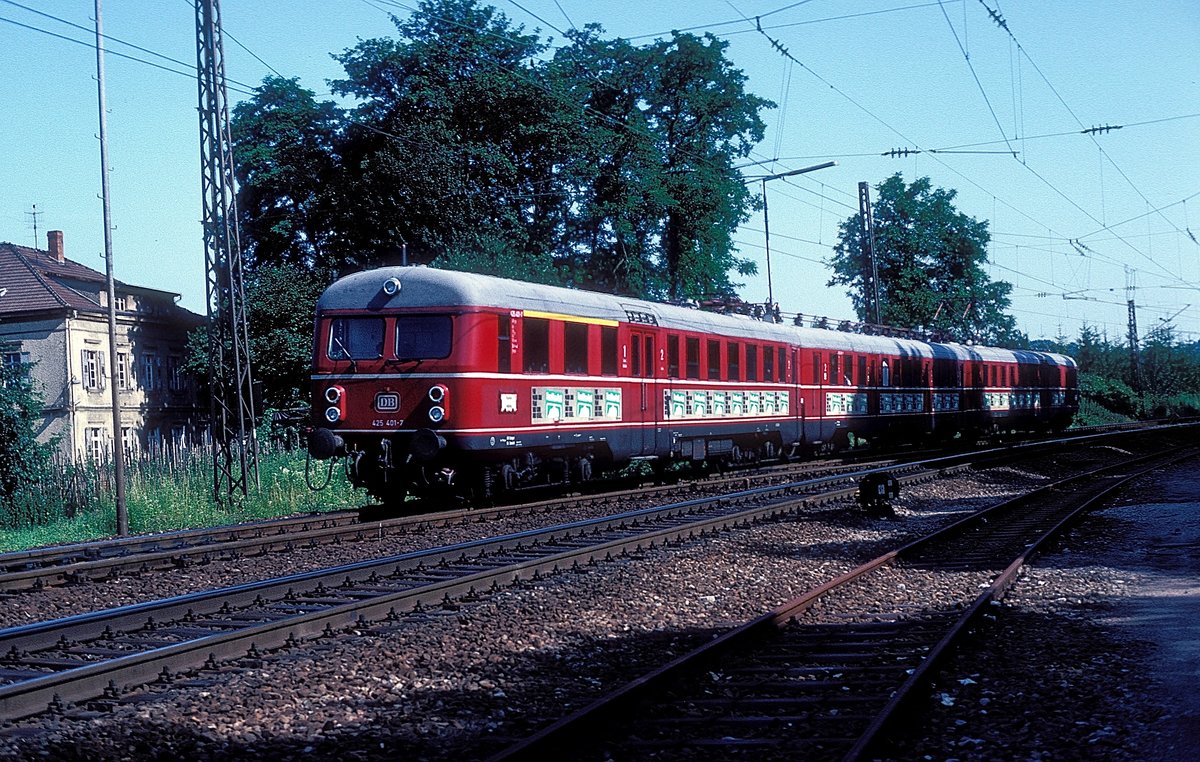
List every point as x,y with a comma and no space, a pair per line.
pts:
164,490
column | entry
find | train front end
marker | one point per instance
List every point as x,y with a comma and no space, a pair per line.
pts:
383,382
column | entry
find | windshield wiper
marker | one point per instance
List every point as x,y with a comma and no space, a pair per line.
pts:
346,352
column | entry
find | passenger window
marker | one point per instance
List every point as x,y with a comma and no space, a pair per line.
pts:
768,364
636,352
693,358
816,368
714,360
575,348
782,365
733,356
649,365
504,344
863,378
535,335
608,350
834,362
751,362
673,356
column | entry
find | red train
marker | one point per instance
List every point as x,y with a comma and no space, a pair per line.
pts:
429,378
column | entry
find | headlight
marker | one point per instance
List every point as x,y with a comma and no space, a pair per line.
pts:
333,414
436,414
333,395
437,393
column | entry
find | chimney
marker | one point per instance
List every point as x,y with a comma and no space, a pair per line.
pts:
54,243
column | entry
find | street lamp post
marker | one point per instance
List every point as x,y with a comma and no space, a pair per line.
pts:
766,223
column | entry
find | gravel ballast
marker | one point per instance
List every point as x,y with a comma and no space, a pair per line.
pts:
460,683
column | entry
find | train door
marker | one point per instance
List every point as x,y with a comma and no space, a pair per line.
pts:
795,381
644,362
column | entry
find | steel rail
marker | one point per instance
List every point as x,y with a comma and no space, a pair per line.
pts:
71,564
432,579
605,711
84,562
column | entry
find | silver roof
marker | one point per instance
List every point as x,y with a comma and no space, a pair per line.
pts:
429,287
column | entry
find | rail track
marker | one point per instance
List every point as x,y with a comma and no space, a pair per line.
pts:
99,656
85,562
32,570
825,675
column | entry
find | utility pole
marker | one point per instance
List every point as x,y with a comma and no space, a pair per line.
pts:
766,221
118,440
231,384
866,231
1135,369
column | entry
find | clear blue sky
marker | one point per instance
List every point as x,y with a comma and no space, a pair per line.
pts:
867,77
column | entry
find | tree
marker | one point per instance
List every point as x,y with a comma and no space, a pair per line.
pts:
657,197
930,262
282,300
286,161
455,139
23,460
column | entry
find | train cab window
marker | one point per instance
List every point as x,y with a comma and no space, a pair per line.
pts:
733,361
751,362
714,360
636,354
768,364
535,335
504,344
673,356
608,350
693,358
422,337
356,338
575,348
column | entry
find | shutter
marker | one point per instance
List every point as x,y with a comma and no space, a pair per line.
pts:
101,375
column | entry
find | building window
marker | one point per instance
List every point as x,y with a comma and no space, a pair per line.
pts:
93,442
123,380
15,365
150,372
175,373
122,302
91,369
129,441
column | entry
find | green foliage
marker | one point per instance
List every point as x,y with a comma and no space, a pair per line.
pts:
606,165
284,153
1112,394
930,261
281,301
170,491
23,460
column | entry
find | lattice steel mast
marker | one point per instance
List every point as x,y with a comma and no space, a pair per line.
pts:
234,444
